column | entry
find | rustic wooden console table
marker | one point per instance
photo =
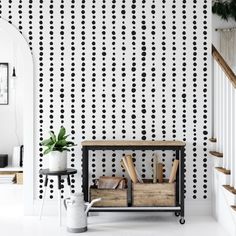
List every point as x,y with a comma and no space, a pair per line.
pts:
177,146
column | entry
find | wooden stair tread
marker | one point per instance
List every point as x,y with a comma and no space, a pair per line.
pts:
233,207
216,154
230,189
223,170
213,140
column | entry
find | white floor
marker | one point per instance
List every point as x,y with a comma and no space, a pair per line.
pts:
110,224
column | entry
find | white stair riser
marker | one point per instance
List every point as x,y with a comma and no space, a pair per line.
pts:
217,162
222,178
211,145
228,197
223,200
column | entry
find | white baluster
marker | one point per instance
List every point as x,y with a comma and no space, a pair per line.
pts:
226,119
228,123
222,101
219,107
216,103
233,166
232,134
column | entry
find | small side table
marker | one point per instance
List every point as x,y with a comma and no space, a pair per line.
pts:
59,175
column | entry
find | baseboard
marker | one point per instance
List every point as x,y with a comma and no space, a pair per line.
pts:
198,208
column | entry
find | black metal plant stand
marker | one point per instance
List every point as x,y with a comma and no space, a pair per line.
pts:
59,174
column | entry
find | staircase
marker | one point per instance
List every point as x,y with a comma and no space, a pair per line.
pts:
223,142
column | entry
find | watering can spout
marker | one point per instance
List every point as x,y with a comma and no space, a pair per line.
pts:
91,203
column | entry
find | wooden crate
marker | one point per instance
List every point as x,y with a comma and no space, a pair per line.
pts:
110,197
150,194
19,178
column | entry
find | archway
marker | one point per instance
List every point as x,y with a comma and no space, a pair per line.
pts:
27,75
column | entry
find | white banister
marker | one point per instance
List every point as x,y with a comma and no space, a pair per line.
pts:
224,124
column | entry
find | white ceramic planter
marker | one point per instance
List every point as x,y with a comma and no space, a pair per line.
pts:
57,160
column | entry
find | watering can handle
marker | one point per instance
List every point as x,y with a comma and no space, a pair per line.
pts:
65,205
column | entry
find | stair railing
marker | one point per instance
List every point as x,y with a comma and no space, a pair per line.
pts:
224,112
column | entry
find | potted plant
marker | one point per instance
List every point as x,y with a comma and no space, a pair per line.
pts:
56,149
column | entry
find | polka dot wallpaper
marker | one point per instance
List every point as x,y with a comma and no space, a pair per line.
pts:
120,69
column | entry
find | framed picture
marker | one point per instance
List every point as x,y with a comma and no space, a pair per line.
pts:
4,83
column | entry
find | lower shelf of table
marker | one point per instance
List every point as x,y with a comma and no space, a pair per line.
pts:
135,209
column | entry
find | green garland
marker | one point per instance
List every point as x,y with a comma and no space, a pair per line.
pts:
225,9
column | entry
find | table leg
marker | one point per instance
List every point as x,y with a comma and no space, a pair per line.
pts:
177,179
85,180
44,196
182,182
59,199
69,183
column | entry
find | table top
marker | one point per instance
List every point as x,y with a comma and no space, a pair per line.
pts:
135,143
68,171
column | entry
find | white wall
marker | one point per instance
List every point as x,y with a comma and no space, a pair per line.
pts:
11,120
121,88
217,22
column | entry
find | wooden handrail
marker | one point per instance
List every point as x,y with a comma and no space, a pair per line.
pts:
224,66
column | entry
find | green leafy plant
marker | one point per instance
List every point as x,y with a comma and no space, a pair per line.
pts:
57,143
224,9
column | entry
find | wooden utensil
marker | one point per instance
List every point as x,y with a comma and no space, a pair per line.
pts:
131,168
174,171
159,168
124,165
136,171
138,176
155,161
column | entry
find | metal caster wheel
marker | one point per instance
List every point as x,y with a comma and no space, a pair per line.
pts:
182,221
177,214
